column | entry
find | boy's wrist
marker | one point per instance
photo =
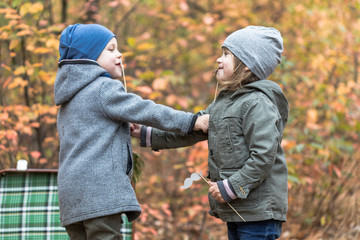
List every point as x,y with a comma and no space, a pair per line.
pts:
192,125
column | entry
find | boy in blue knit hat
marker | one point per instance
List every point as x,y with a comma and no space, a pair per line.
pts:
95,160
247,165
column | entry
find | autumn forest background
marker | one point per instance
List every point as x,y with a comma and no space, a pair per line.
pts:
170,49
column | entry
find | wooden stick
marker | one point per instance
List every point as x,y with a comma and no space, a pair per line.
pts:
227,202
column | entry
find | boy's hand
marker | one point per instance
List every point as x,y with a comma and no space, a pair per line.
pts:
135,130
215,192
202,123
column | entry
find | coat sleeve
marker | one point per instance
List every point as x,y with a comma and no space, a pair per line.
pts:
165,140
127,107
260,122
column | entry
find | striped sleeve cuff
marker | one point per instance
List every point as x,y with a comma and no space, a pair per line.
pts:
145,136
226,190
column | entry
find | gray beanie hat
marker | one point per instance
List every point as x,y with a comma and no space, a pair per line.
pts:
259,48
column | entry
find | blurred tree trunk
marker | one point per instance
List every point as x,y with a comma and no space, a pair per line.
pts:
49,8
64,5
92,9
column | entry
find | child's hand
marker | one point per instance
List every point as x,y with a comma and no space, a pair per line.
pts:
202,123
215,192
135,130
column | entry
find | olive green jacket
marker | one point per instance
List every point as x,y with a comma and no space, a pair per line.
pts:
244,139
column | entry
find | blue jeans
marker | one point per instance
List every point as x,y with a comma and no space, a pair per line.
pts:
262,230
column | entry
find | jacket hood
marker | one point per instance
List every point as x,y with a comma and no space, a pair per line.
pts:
72,76
272,91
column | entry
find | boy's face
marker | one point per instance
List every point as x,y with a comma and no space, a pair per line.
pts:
110,58
226,66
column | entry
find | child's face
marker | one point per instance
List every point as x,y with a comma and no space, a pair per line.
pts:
226,66
110,58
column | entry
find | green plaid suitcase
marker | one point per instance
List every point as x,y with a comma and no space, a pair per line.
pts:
29,208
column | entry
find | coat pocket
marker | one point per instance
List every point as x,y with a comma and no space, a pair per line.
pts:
223,135
129,166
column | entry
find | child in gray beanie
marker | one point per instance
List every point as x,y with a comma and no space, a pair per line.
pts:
247,165
95,160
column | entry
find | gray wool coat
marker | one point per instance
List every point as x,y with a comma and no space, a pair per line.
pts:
95,160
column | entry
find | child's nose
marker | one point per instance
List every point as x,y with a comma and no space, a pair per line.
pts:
218,60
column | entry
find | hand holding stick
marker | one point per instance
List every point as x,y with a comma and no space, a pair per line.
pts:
194,177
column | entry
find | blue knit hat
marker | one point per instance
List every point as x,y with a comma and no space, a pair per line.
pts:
259,48
84,41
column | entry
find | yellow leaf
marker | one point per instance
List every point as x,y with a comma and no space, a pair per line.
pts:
131,42
13,44
7,10
127,54
288,144
19,70
46,77
30,70
22,26
17,82
198,108
12,16
145,46
178,166
343,89
25,8
36,7
4,36
38,64
30,47
312,115
42,50
52,43
322,220
24,33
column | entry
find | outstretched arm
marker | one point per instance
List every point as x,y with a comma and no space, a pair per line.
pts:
158,139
